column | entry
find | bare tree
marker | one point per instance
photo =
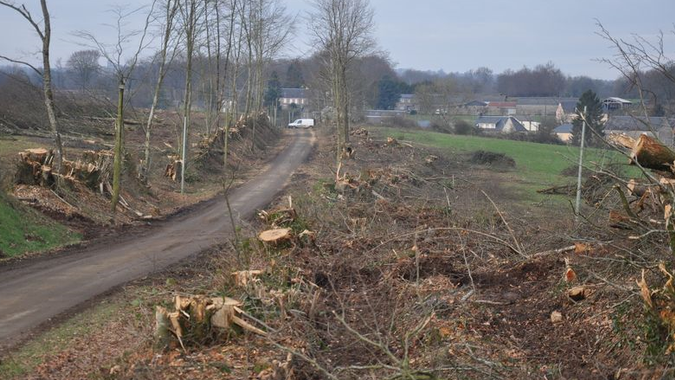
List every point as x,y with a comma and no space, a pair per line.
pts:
44,31
190,12
344,29
84,64
115,55
231,26
167,53
266,28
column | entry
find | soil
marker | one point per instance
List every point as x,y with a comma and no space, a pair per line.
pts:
74,277
409,258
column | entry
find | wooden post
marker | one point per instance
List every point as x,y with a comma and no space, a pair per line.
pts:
581,163
182,171
117,162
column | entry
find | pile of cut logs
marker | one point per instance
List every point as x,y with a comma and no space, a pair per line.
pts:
93,169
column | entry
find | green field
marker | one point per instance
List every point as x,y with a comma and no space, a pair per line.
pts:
24,230
538,166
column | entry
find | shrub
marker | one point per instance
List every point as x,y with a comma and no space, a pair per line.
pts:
462,127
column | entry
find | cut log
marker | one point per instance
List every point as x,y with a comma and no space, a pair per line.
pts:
578,293
622,140
391,141
637,189
651,154
275,235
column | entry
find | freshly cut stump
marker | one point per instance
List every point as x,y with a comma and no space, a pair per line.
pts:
275,235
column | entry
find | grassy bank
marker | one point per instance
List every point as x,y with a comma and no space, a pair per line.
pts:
538,166
24,230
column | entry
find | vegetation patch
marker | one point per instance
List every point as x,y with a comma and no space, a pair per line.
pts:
497,160
25,230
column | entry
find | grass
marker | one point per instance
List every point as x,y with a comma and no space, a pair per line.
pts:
418,117
11,146
24,230
538,166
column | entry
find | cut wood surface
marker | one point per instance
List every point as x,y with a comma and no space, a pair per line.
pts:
244,277
195,316
651,154
637,189
275,235
622,140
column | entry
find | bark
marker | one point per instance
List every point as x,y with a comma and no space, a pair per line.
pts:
47,86
651,154
171,12
187,103
119,138
228,121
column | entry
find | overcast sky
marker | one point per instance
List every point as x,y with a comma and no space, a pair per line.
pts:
451,35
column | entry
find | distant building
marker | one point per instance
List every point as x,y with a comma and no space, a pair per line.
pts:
297,96
538,106
379,116
659,127
407,103
501,108
564,132
530,125
566,111
475,107
615,104
500,124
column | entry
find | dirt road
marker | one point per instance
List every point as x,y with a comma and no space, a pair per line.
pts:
33,294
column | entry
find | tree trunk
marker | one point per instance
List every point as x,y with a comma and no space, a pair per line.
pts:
171,11
187,104
47,88
651,154
119,136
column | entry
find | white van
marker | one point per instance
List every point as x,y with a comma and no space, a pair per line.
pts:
302,123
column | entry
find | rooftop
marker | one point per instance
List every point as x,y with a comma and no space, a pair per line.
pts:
632,123
293,93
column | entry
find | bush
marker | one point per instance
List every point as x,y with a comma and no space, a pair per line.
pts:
400,122
500,160
441,126
462,127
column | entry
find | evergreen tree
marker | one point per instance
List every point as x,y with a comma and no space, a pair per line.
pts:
294,78
273,92
389,93
593,116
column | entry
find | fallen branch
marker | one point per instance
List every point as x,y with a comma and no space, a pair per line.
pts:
553,252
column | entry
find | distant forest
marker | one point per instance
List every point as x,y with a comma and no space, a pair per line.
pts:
376,83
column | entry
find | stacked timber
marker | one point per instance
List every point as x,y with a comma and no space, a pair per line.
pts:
93,168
